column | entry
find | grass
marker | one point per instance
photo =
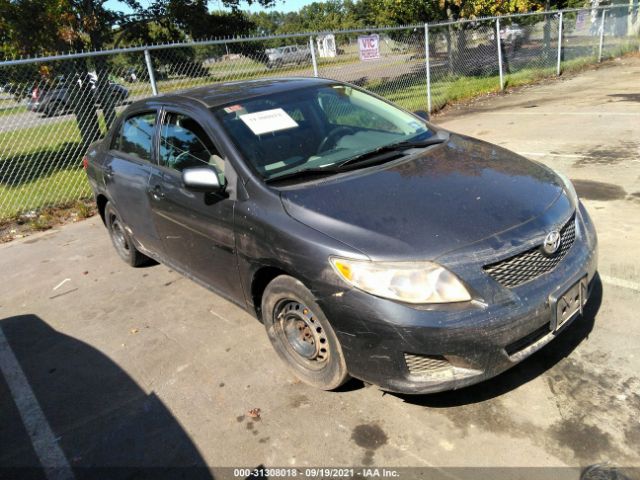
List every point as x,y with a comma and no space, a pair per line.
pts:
458,88
56,188
46,218
40,166
12,110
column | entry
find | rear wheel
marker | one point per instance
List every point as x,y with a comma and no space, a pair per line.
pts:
121,239
55,109
301,334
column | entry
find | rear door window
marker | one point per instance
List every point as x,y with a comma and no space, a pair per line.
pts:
136,136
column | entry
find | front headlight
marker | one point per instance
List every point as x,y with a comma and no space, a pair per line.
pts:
569,188
410,282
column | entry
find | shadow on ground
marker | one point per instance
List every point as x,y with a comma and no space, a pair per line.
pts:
106,425
627,97
17,169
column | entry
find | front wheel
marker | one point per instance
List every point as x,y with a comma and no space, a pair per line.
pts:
301,334
121,239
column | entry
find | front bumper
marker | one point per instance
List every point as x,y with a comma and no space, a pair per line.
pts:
452,346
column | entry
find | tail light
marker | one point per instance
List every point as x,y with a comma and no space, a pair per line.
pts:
85,162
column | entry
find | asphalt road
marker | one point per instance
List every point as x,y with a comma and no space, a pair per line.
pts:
111,366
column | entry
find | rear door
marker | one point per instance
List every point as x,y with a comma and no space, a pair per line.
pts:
196,228
127,171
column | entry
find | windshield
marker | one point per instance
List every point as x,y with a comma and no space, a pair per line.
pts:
314,128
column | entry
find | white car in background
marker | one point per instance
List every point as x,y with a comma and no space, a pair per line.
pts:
512,35
289,54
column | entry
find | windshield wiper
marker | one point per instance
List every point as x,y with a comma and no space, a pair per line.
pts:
307,173
380,154
376,154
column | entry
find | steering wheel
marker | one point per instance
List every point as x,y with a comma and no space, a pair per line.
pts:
332,138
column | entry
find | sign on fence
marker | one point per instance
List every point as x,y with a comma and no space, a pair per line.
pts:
369,47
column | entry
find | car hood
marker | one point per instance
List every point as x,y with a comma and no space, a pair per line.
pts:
436,201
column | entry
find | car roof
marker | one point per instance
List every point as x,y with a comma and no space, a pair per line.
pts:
229,92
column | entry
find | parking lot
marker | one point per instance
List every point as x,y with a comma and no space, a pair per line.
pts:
143,368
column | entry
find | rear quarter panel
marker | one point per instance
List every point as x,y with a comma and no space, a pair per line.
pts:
95,160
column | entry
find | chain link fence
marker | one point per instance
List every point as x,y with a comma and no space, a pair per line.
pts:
51,108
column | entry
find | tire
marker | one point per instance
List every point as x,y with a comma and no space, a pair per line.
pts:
54,109
121,239
301,334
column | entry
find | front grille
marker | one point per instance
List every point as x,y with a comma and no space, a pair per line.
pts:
532,263
425,364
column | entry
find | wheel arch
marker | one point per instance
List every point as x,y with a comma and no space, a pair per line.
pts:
101,201
262,277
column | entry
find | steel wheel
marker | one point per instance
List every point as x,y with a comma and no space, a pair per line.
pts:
118,236
121,239
302,334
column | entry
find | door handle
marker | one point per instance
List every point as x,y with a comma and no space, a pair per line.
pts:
108,171
156,192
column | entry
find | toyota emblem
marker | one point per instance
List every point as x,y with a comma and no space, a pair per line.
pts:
551,242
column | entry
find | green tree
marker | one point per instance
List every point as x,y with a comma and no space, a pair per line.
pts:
267,23
328,15
34,27
37,27
412,11
371,12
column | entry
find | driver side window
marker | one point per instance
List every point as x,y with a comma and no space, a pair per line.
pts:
185,144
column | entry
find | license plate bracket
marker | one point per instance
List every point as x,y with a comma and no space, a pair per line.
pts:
568,304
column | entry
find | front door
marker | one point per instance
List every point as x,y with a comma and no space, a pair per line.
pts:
196,228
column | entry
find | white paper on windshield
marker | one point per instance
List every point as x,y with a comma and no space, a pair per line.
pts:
268,121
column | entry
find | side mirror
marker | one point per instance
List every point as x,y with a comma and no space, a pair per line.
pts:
201,179
422,114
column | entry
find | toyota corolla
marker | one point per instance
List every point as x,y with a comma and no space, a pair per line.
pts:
368,241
